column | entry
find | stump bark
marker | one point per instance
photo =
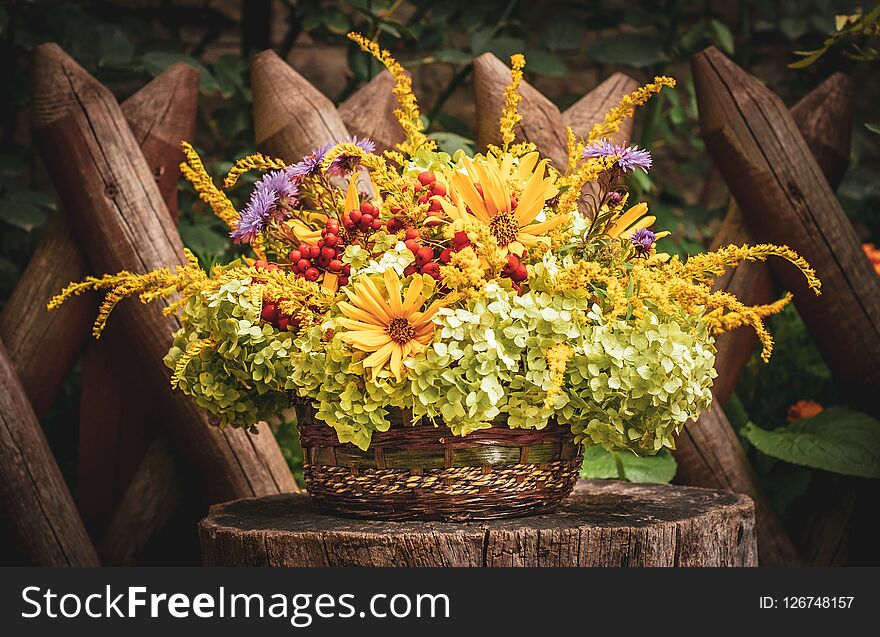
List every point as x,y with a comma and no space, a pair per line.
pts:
604,523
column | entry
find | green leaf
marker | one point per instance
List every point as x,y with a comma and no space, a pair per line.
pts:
874,128
114,49
335,21
155,62
25,209
722,35
631,49
563,34
599,464
452,56
659,468
204,239
839,439
615,465
544,63
450,142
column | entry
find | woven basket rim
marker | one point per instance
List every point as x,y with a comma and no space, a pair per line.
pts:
314,432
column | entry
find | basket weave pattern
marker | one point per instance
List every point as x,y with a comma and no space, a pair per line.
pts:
426,473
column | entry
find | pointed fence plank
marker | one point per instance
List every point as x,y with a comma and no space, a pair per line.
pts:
824,118
160,115
43,346
786,199
541,124
36,510
710,454
121,221
291,116
117,415
369,112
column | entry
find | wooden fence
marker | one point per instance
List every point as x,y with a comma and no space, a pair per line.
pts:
115,170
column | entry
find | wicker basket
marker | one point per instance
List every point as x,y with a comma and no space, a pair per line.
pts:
424,472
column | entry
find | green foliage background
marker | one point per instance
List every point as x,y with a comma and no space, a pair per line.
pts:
569,46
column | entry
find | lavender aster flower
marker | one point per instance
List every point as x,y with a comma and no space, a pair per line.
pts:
643,240
631,157
345,164
310,164
269,193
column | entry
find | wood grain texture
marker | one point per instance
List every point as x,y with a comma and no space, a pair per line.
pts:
160,115
118,415
36,510
291,117
121,221
148,504
824,118
369,112
709,454
541,124
786,199
604,523
43,346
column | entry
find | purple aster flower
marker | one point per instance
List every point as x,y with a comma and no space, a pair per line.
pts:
269,193
345,164
310,164
631,157
643,240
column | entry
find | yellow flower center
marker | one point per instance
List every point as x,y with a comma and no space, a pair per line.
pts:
401,330
504,228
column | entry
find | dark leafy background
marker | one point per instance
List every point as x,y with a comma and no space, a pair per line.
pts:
570,46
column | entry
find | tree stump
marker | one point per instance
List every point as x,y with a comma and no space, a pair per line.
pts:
604,523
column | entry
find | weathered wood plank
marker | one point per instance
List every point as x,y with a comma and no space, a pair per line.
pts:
153,494
369,112
117,415
786,199
43,346
824,118
541,124
36,510
291,116
604,523
709,454
120,219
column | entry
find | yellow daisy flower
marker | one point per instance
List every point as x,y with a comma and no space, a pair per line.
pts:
391,326
508,200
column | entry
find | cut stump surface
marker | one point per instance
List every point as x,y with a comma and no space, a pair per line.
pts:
603,523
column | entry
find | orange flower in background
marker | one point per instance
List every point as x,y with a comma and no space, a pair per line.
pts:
873,254
391,326
803,409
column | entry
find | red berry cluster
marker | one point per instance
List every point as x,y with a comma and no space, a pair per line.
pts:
309,261
424,263
365,220
426,189
272,314
262,264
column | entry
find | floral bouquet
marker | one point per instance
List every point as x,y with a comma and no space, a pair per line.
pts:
452,329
